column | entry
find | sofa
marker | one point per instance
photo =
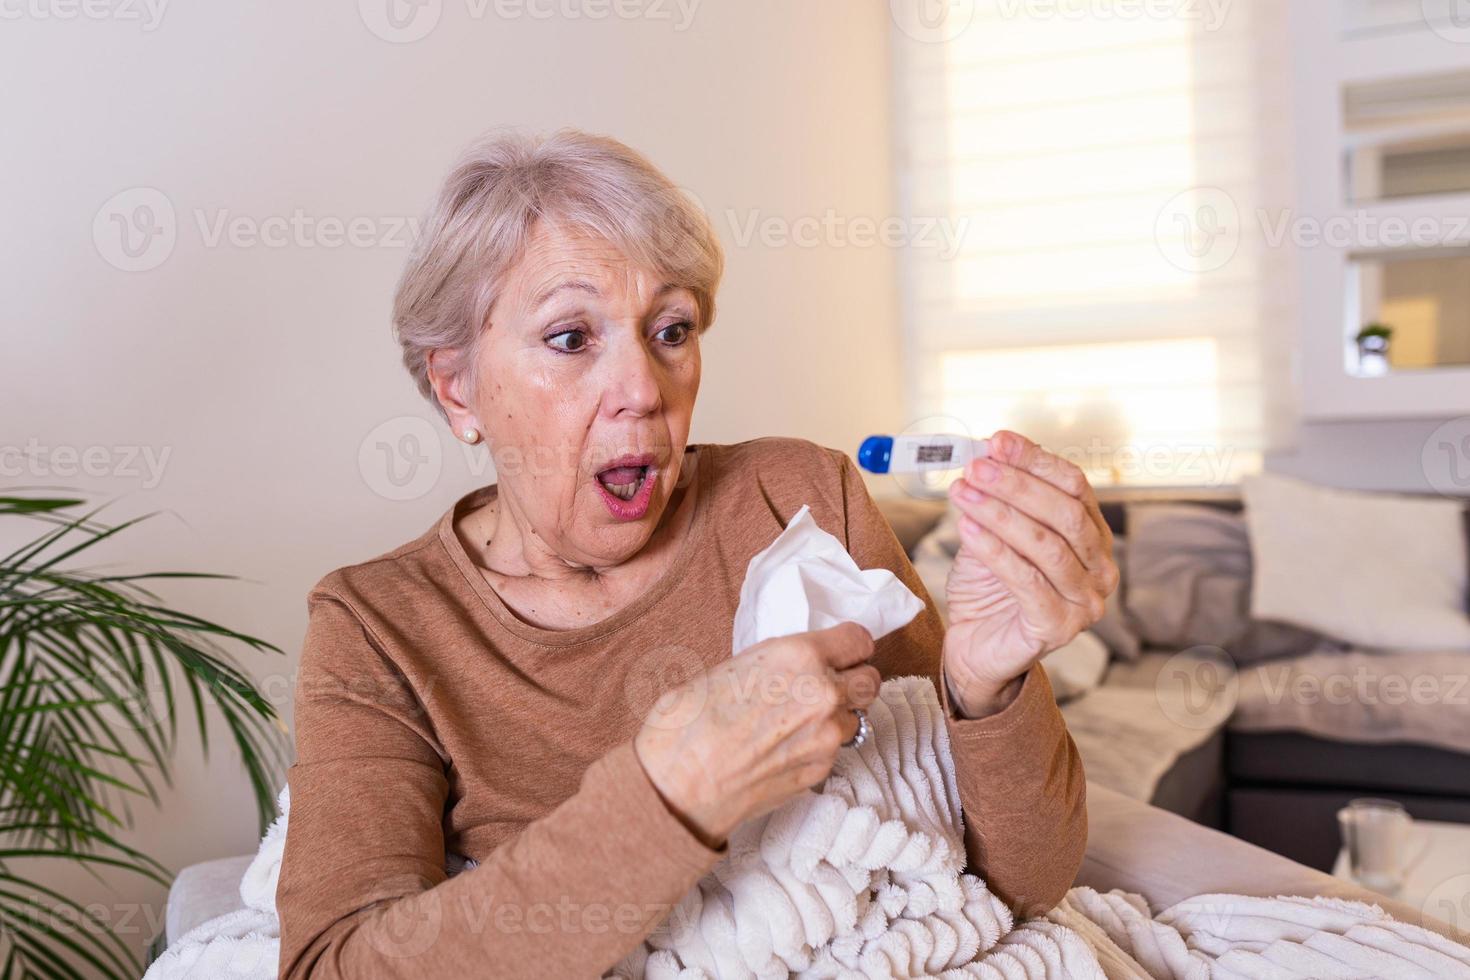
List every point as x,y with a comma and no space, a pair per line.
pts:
1131,845
1187,782
1261,774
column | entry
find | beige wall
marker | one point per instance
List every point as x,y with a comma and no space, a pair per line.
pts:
254,373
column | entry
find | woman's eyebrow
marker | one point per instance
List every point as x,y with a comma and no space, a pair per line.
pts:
581,285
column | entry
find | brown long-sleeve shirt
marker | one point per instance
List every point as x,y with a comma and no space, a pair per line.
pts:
430,719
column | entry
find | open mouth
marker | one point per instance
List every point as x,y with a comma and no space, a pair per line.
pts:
623,482
627,485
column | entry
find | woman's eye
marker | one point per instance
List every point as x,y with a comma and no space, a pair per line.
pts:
567,341
675,333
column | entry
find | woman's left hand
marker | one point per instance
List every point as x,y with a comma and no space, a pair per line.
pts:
1034,568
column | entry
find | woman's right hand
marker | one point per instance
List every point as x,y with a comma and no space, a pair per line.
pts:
746,736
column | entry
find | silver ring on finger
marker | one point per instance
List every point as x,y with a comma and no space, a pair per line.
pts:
863,731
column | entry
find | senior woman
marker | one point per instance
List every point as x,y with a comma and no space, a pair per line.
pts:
542,681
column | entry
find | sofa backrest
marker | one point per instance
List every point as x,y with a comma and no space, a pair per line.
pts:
913,517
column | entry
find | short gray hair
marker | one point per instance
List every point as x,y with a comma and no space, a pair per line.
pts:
483,218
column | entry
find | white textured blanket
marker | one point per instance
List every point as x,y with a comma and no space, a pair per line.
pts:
863,880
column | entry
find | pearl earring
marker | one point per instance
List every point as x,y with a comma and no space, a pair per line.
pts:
471,436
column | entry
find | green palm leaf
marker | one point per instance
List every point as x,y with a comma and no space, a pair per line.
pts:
92,668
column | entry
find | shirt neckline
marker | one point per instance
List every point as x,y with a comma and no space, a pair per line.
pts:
704,463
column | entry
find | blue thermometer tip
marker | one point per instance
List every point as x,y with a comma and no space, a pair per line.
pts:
875,453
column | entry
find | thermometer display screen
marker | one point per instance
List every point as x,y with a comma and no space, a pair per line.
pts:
935,453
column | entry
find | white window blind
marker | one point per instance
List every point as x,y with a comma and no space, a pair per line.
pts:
1116,293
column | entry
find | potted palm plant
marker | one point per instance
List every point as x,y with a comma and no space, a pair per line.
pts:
95,670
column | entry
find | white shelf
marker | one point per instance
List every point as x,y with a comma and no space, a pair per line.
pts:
1335,48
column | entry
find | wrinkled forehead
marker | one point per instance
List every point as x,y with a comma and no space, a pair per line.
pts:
561,260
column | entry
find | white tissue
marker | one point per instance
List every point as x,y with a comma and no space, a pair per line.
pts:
805,580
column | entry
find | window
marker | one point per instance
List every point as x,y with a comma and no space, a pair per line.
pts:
1115,292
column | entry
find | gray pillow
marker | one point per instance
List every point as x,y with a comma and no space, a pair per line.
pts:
1113,628
1077,667
910,519
1189,584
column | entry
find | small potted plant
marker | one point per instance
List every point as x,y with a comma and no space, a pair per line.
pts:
1372,343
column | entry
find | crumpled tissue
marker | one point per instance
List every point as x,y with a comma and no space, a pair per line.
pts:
805,580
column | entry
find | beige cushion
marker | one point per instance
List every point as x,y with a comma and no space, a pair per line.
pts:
1136,726
1375,570
1076,667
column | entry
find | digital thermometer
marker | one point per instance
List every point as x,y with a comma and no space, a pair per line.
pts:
920,453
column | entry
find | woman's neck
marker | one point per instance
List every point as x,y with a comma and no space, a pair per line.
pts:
544,587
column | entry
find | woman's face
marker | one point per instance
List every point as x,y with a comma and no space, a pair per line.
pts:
587,377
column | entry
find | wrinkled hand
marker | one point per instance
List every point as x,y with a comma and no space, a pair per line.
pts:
1034,568
744,737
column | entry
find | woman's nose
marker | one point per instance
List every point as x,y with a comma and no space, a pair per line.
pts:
633,386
